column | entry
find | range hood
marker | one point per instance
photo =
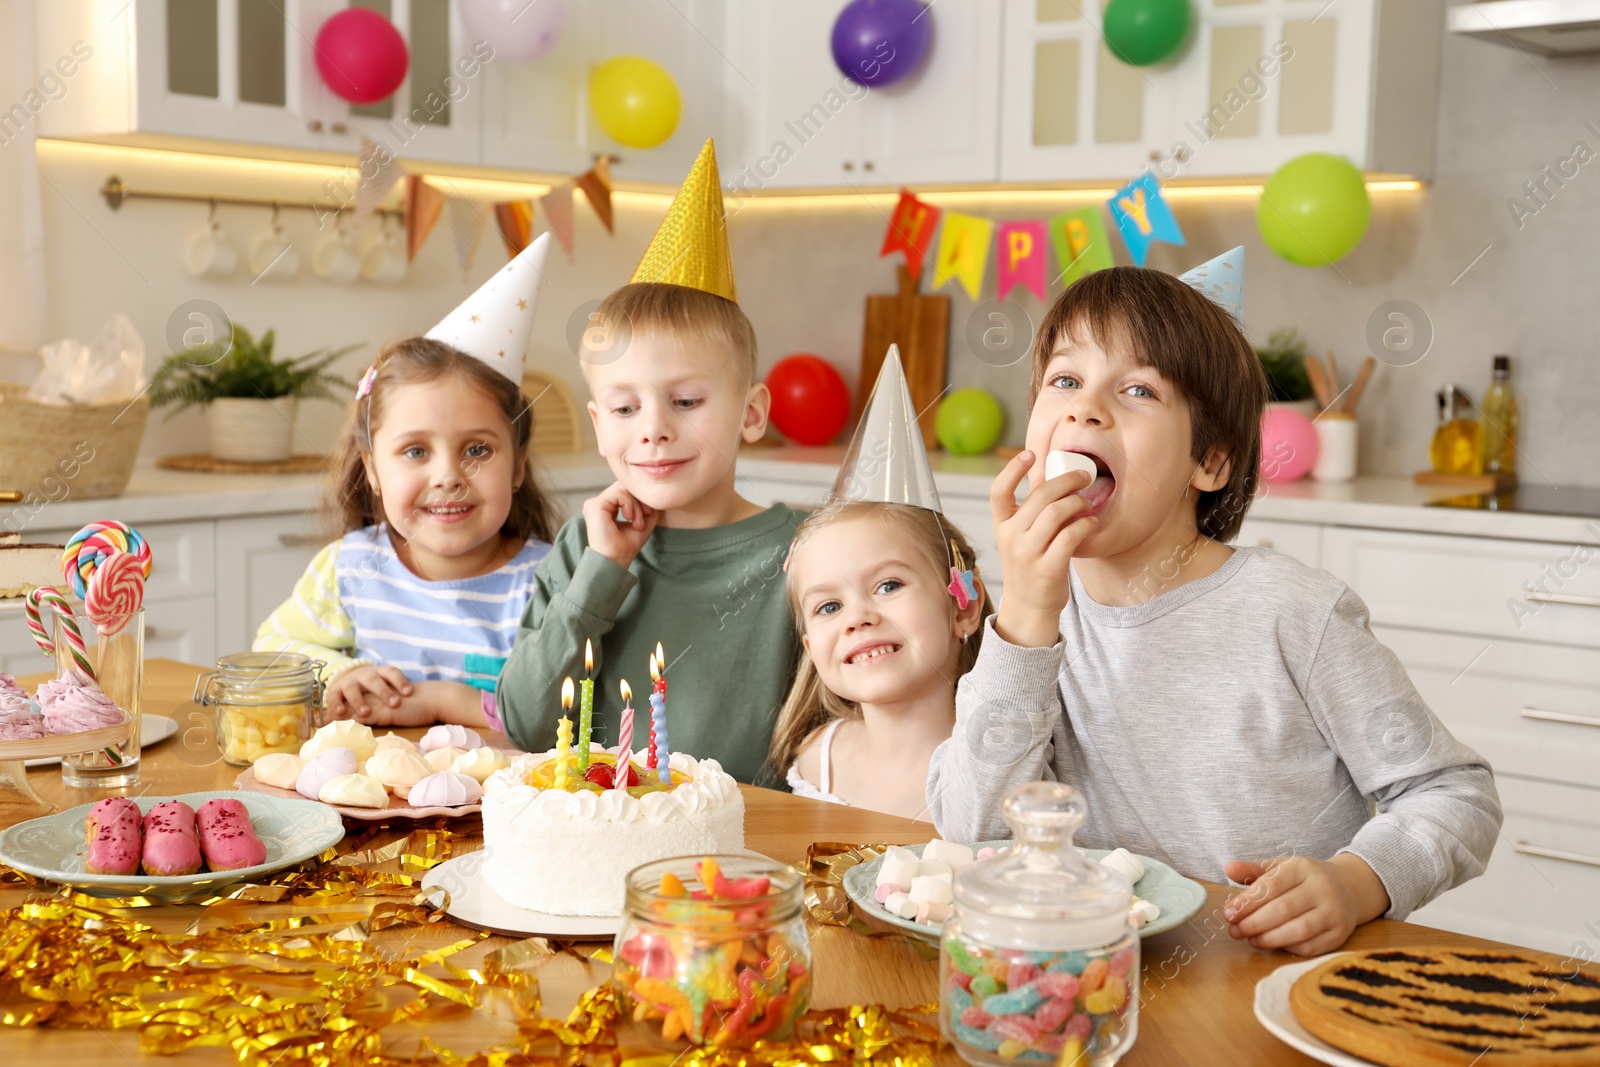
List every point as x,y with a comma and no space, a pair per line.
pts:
1547,27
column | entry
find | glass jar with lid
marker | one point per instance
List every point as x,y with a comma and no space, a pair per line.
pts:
1038,961
714,951
265,701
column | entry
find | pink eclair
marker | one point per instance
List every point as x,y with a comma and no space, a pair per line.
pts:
227,839
171,845
112,831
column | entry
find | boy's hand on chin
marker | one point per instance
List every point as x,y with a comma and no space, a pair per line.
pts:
1302,905
618,541
1037,540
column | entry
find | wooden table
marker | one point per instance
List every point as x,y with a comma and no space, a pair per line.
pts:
1197,984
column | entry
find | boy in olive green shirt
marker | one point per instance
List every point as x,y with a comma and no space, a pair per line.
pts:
670,552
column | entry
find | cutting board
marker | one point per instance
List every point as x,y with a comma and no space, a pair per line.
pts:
920,325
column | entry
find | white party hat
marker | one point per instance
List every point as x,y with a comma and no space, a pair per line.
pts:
494,323
1221,280
886,460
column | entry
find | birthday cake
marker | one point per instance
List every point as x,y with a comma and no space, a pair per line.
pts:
568,851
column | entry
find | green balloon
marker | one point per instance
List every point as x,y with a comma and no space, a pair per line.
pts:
1142,32
968,422
1314,210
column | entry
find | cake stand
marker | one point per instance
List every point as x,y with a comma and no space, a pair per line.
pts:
18,801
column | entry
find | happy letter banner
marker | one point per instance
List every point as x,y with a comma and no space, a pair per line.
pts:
1082,246
911,231
1021,257
963,251
1142,214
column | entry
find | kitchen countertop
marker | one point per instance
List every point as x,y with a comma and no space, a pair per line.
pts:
156,495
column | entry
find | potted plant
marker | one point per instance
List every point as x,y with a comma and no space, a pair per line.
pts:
1283,358
250,398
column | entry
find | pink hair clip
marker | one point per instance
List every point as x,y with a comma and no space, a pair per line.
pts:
364,386
961,586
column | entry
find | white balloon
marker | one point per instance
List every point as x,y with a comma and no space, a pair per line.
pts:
518,30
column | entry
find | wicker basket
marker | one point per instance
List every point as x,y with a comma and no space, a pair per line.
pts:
68,452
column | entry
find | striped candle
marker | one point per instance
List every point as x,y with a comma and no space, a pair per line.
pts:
624,738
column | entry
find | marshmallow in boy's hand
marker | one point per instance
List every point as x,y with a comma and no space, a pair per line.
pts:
1058,463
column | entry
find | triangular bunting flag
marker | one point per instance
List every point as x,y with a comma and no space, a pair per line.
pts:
467,223
911,231
514,218
596,185
557,204
1142,214
377,170
424,205
963,251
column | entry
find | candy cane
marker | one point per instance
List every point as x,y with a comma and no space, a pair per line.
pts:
69,626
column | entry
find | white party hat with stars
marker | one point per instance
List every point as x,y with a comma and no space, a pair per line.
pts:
1221,280
494,323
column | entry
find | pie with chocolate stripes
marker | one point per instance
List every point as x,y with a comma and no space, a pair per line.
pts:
1435,1005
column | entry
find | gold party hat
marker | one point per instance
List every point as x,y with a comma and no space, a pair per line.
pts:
691,247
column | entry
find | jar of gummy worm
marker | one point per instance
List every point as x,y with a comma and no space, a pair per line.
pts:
714,950
1038,962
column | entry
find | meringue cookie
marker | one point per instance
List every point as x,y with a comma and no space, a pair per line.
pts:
341,733
278,769
479,763
441,758
72,705
449,735
397,769
8,684
323,768
19,716
394,740
354,791
445,790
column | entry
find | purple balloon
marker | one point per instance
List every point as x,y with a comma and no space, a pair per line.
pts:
878,42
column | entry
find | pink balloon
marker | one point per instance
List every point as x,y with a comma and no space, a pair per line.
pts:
1288,445
518,30
361,56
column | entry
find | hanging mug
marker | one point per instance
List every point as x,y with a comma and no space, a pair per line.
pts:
209,254
272,256
383,260
333,259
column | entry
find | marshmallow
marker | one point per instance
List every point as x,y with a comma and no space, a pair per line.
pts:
900,865
341,733
932,888
1143,913
1058,463
959,857
354,791
278,769
883,892
934,868
901,905
986,853
932,913
1124,863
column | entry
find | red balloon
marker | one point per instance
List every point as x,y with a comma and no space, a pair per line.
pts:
810,401
361,56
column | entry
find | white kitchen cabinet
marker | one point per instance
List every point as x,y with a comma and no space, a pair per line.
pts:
181,628
244,70
1302,540
1257,83
795,121
259,560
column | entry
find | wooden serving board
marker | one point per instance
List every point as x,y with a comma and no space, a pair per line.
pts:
920,325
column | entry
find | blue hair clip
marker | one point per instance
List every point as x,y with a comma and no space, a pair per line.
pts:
961,586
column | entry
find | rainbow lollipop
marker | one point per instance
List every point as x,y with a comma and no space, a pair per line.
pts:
106,564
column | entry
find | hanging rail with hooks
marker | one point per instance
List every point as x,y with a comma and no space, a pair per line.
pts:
116,192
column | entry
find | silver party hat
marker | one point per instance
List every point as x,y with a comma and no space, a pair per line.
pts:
886,460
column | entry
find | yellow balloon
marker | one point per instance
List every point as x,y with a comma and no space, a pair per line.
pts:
635,101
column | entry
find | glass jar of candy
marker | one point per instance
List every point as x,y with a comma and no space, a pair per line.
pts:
714,951
266,702
1038,961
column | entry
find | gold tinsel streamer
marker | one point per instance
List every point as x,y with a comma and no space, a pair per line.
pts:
828,903
311,990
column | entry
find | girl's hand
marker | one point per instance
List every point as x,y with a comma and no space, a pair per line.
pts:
364,690
618,541
1037,539
1302,905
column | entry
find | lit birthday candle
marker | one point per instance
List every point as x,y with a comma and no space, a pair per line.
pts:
624,737
586,709
564,736
658,716
655,679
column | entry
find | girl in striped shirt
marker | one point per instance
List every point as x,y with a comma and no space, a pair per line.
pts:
415,609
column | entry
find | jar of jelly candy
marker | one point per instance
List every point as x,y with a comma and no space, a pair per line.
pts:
1038,962
714,951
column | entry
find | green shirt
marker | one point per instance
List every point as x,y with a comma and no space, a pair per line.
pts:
715,600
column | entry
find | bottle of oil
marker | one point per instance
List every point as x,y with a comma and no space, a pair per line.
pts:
1500,421
1458,442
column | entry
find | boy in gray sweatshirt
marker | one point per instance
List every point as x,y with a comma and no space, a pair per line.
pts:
1226,710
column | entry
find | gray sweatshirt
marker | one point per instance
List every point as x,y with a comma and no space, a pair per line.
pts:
1245,715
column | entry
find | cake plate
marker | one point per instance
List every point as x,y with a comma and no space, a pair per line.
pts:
18,801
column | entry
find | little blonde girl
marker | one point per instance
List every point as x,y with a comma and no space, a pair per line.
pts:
415,609
886,636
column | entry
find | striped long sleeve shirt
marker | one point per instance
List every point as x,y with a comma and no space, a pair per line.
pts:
357,604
